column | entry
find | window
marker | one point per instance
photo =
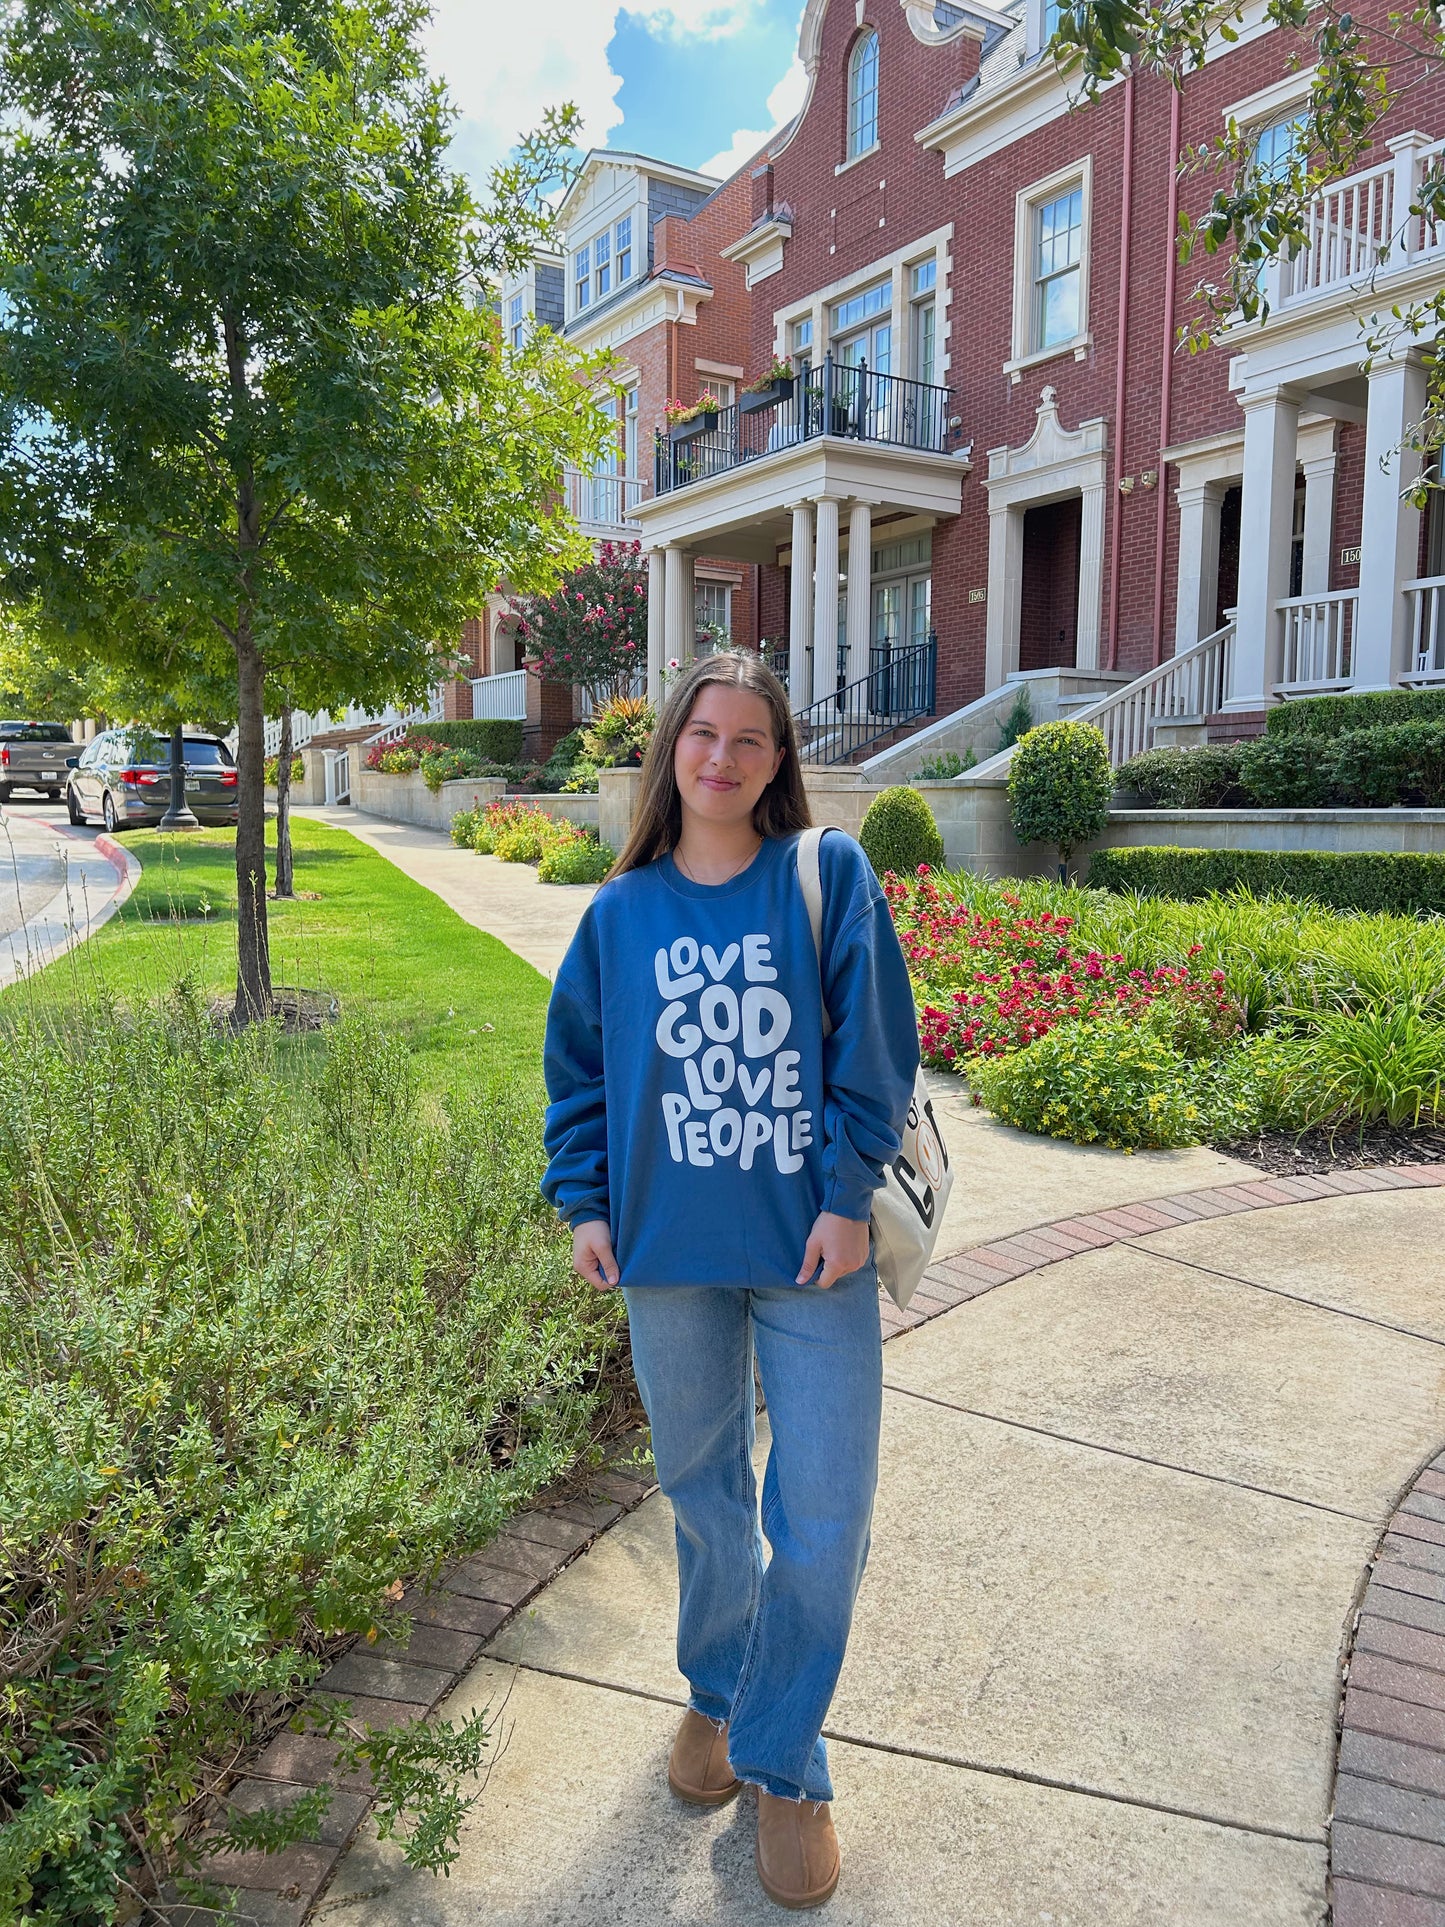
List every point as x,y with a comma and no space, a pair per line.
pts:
923,279
863,96
1052,10
802,339
581,279
723,390
859,307
1058,260
713,607
516,319
624,249
602,262
629,429
1277,146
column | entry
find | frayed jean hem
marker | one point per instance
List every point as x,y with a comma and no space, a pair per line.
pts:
714,1711
780,1789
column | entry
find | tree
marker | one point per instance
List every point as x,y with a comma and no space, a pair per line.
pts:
1363,64
592,630
252,380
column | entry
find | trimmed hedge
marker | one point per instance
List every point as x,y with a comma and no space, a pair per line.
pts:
1369,880
1333,715
1185,779
500,741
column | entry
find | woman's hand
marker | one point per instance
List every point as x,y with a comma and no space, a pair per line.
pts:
592,1256
839,1245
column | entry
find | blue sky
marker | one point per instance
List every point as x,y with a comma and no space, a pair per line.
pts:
700,82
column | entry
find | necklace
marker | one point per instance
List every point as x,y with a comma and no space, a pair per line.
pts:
677,859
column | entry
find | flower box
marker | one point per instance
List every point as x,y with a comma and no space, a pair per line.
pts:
754,401
690,431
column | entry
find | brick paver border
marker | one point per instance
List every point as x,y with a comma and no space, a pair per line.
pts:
1388,1832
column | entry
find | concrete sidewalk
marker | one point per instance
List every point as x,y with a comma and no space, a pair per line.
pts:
1126,1506
58,885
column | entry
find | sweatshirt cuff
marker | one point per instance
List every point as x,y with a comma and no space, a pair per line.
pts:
849,1200
588,1213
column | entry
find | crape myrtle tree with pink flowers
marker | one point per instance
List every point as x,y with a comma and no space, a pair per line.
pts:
592,631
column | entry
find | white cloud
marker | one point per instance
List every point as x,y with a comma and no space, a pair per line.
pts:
783,102
506,61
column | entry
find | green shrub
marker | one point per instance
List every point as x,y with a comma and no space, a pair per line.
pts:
1334,715
1126,1086
440,766
1206,778
943,767
1405,884
898,833
1400,763
619,731
1385,1064
465,825
523,835
1287,773
499,740
1017,721
273,769
325,1340
1059,786
579,859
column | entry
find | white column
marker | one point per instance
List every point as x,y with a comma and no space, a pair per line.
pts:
1198,589
860,584
1389,527
1319,477
800,609
680,625
656,622
1005,580
1088,650
1266,527
825,600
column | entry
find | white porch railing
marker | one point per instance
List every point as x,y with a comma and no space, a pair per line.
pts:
584,704
603,501
1188,687
304,726
1319,642
502,697
1426,599
396,722
1359,224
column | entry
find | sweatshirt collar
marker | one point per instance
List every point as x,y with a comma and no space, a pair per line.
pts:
685,887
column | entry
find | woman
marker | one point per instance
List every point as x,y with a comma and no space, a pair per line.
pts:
717,1159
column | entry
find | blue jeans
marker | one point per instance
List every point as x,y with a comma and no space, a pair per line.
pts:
763,1648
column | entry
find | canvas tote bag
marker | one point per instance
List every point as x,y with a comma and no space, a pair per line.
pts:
908,1207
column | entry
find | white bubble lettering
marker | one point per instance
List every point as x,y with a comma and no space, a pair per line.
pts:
696,1135
717,1068
700,1099
757,959
785,1079
767,1018
677,1043
674,1110
757,1130
718,998
786,1162
725,1130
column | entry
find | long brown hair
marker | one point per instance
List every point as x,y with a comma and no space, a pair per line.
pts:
657,821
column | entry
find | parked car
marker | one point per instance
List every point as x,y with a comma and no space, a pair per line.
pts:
35,756
124,778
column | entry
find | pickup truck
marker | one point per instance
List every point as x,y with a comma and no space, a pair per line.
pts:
35,756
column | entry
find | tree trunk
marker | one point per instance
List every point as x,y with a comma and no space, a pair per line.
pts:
253,949
285,869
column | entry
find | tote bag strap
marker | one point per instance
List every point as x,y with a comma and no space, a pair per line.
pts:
811,879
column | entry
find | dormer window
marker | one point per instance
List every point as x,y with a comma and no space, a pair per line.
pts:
624,249
581,278
863,96
517,319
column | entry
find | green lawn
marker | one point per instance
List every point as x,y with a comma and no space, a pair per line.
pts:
468,1007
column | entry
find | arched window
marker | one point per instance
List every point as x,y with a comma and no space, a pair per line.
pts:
863,96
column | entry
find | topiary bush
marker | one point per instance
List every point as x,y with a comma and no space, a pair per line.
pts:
1206,778
899,833
1059,786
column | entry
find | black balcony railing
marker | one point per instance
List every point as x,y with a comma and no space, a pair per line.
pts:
834,399
901,685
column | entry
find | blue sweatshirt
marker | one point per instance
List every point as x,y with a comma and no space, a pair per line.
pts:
694,1102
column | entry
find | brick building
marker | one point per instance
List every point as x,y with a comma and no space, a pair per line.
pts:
991,436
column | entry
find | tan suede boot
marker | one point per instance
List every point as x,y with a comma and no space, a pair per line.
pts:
797,1855
698,1770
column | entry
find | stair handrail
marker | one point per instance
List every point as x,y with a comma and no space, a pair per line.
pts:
1127,717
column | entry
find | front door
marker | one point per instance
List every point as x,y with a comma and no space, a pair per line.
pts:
1049,603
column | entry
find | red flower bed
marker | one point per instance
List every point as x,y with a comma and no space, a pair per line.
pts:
1008,980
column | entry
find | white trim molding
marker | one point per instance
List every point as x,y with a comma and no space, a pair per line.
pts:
1268,102
1054,463
760,250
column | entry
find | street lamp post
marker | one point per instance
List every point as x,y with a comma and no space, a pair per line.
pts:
178,815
